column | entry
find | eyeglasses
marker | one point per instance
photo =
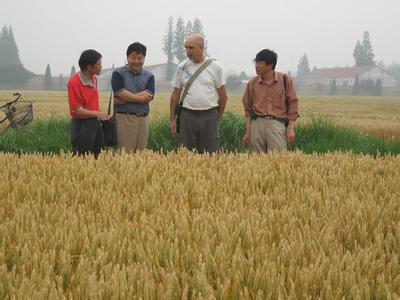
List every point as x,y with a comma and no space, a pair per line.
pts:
258,62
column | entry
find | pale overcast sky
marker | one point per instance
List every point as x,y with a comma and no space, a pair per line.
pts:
56,32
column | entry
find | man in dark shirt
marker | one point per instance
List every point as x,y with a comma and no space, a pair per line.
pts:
133,89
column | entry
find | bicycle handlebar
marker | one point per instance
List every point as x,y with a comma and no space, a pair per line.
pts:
18,96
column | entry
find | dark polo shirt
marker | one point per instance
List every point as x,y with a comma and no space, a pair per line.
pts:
123,79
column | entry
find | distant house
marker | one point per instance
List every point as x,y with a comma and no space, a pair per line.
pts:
59,83
347,76
159,71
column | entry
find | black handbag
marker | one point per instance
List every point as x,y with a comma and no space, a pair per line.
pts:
109,128
178,110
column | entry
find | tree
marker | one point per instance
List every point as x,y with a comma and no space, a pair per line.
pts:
243,76
356,86
179,39
13,49
363,53
198,28
189,29
173,41
378,87
61,82
303,68
48,80
8,48
233,82
394,68
367,47
73,71
333,87
168,48
12,72
358,54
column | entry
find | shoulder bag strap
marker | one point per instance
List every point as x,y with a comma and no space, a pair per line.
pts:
285,82
193,78
109,103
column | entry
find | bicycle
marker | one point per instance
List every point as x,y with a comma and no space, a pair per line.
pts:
17,112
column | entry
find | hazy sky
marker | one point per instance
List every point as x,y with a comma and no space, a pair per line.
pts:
56,32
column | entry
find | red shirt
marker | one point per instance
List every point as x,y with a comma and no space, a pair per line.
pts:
82,94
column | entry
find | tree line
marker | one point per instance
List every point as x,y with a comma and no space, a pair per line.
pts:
174,38
13,74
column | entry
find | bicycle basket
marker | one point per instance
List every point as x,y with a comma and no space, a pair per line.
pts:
19,113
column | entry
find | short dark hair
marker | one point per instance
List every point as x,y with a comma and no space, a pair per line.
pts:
267,56
136,47
88,57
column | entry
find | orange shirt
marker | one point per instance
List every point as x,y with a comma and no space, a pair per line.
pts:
268,98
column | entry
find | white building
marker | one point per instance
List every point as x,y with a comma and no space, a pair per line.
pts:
347,76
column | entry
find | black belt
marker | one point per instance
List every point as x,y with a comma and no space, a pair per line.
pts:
138,114
83,119
199,111
253,116
268,117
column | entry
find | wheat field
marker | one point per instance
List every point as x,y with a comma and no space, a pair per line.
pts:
185,226
378,116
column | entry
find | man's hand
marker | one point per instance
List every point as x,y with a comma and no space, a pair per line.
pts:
119,101
144,96
126,96
172,126
246,138
175,96
290,135
103,116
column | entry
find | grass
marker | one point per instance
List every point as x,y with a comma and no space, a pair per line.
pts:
317,136
378,116
42,136
324,136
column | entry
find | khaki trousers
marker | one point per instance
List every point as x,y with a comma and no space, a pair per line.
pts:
267,135
132,132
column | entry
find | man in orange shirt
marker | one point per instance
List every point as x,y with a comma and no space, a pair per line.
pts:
270,105
83,97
